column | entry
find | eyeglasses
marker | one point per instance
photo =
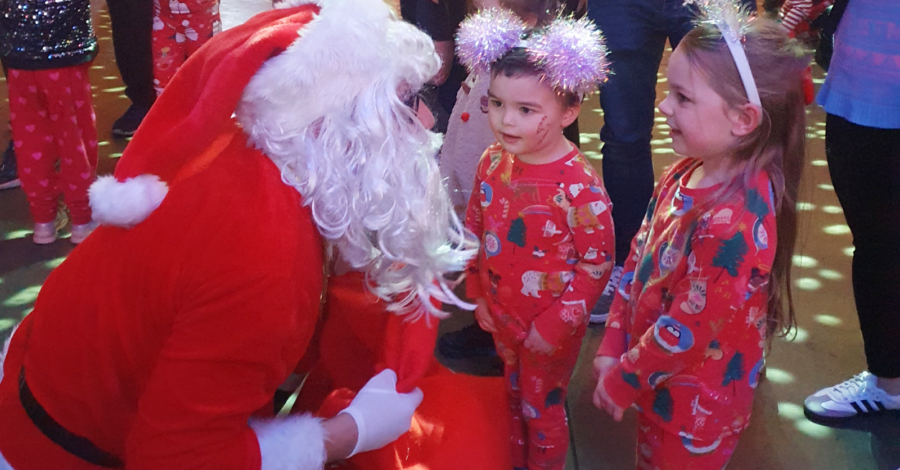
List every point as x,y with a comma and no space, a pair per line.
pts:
413,102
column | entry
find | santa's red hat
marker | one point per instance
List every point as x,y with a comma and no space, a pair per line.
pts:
286,67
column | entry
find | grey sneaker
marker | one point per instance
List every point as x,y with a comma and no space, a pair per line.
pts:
600,312
8,173
855,397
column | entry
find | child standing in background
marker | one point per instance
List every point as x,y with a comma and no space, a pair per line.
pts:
542,215
468,131
48,48
180,27
705,284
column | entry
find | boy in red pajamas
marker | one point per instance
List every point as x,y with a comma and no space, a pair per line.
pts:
180,27
544,221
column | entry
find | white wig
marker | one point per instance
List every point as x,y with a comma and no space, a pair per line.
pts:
362,161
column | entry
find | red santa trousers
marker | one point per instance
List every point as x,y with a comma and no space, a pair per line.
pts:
537,387
53,125
178,35
658,449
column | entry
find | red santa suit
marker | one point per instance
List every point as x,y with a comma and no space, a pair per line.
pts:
158,339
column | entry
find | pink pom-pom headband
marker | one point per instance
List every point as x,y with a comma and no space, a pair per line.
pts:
570,53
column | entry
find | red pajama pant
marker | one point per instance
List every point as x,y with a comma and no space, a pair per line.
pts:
537,386
658,449
178,35
54,133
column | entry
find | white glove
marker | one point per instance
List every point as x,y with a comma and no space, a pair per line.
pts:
381,414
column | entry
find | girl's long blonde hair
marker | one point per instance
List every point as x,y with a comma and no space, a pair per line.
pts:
777,146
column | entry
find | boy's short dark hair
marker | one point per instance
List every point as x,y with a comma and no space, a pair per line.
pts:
516,63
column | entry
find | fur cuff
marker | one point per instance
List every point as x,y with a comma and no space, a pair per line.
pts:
293,443
126,203
4,465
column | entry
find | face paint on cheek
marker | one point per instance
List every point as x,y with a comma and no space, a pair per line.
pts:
542,130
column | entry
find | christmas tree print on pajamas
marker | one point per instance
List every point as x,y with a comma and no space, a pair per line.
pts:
695,308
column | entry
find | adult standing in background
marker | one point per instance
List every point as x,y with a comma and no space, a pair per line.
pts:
132,22
862,143
636,32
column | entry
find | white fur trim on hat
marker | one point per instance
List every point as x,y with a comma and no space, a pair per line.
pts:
126,203
235,12
294,3
328,67
293,443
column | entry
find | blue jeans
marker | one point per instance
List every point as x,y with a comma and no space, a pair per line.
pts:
636,32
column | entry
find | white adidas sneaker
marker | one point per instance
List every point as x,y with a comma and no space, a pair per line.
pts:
855,397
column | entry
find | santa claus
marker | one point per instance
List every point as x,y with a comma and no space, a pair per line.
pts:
160,338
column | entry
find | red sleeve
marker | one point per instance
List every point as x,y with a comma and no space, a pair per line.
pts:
591,225
240,327
793,12
615,340
701,306
475,223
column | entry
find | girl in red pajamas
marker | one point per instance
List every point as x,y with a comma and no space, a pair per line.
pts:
180,27
48,48
543,218
704,285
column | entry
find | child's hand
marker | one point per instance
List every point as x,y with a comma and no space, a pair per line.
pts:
537,344
602,401
483,316
604,364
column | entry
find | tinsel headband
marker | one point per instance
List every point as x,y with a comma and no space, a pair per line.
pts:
730,18
570,53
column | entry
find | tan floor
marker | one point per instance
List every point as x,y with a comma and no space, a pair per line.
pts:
827,347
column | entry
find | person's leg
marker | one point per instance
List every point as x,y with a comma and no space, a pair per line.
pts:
634,31
168,53
543,385
635,35
68,92
658,449
9,176
205,24
864,164
131,23
511,373
32,139
131,36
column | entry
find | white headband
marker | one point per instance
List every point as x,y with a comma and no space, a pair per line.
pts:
743,65
728,16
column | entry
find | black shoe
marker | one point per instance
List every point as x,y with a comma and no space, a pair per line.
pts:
9,177
128,123
469,342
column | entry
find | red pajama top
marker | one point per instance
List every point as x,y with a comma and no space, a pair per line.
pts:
689,317
547,243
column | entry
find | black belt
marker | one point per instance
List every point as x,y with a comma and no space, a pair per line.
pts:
74,444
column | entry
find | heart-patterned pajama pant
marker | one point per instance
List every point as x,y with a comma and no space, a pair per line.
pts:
55,137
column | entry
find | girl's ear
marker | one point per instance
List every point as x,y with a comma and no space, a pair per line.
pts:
570,114
745,119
